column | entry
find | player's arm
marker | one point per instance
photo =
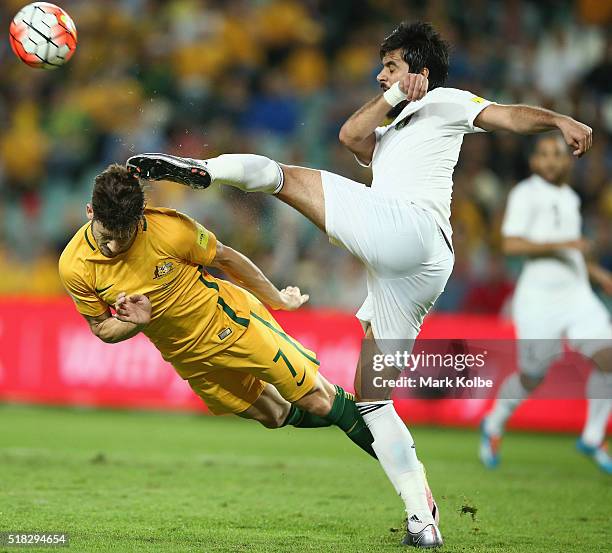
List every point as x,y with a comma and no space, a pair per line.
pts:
515,245
133,313
241,270
357,134
196,244
129,319
531,120
601,276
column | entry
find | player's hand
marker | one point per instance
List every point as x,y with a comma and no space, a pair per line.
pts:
605,281
292,298
414,86
577,135
134,309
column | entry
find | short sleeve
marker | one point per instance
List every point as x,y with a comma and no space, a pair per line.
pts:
82,293
378,132
459,108
517,217
191,241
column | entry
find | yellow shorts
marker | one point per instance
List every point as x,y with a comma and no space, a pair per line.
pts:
234,378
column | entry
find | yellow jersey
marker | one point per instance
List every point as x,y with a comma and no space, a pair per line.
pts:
194,315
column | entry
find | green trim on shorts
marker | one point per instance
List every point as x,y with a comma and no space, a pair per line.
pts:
285,337
226,308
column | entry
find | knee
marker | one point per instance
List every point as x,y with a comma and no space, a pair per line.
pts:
290,172
270,420
530,383
317,403
603,360
272,416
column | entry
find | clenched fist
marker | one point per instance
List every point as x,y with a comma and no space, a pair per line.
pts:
577,135
414,86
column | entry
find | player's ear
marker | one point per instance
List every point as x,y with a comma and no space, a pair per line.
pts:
89,212
425,72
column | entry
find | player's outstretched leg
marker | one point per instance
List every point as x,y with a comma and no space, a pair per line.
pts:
510,395
184,170
299,187
249,172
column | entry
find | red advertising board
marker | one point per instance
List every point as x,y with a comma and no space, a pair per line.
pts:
48,355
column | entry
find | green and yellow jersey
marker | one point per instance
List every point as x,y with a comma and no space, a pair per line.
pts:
194,315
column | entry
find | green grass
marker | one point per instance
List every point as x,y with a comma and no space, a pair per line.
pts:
119,481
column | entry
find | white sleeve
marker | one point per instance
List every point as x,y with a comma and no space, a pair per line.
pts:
518,214
378,132
460,108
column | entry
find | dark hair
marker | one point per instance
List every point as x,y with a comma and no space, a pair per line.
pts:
117,200
421,47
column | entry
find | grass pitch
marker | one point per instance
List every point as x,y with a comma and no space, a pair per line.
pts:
119,481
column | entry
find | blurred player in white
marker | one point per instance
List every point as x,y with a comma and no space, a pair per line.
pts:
553,300
399,226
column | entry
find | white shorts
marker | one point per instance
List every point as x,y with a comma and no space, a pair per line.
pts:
543,320
407,257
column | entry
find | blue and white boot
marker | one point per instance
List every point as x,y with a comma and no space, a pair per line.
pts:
489,447
599,454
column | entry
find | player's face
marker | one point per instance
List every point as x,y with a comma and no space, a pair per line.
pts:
394,68
110,243
551,160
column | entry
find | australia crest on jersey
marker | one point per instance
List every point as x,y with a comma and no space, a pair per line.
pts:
163,269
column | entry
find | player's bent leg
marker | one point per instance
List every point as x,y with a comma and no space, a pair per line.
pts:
534,358
273,411
335,405
319,399
270,409
510,395
591,334
267,353
224,390
227,391
303,190
592,441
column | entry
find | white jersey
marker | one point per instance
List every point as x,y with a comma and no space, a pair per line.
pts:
541,212
553,297
416,154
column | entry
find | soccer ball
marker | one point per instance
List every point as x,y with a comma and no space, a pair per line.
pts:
43,35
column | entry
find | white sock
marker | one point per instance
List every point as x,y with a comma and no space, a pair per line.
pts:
599,392
249,172
510,395
395,450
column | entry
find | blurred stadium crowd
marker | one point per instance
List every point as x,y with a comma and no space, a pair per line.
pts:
278,77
